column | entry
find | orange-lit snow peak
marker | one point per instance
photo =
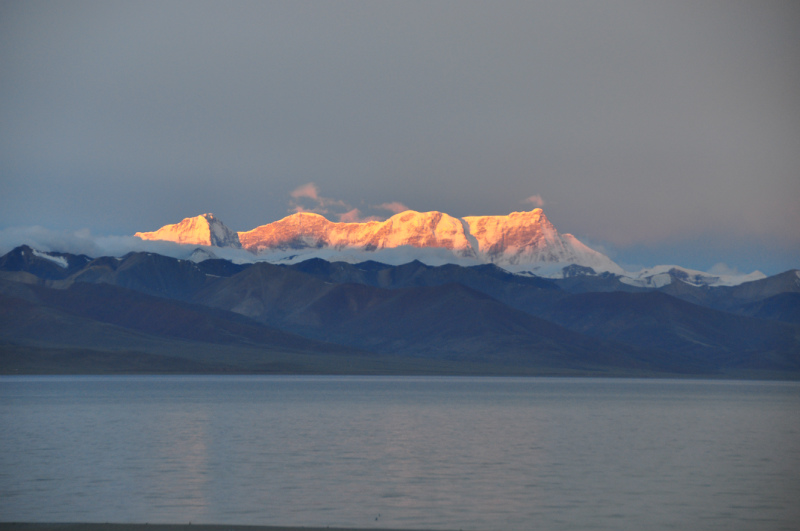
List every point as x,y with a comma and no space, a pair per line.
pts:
205,229
523,238
519,241
306,229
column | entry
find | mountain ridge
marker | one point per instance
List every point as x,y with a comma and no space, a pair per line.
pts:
519,241
148,310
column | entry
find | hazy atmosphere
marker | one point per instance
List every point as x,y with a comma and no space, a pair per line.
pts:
655,132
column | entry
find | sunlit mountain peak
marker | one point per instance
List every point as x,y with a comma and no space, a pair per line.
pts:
519,241
205,229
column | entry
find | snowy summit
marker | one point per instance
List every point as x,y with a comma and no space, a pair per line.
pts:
518,242
200,230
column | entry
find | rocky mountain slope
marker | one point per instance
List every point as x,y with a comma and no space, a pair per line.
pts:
318,316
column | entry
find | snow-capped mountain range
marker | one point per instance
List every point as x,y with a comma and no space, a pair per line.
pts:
518,242
521,242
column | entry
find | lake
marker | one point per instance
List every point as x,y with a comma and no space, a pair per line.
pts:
402,452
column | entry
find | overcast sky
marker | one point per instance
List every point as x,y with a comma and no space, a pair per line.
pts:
658,132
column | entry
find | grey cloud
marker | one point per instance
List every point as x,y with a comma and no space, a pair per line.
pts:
672,124
95,245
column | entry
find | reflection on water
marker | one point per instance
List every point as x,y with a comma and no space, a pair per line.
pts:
435,453
180,456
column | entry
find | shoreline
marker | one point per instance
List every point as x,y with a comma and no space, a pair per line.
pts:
52,526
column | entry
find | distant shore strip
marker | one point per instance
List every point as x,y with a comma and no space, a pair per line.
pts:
31,526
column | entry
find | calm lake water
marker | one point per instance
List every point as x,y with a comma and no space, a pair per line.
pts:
407,452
